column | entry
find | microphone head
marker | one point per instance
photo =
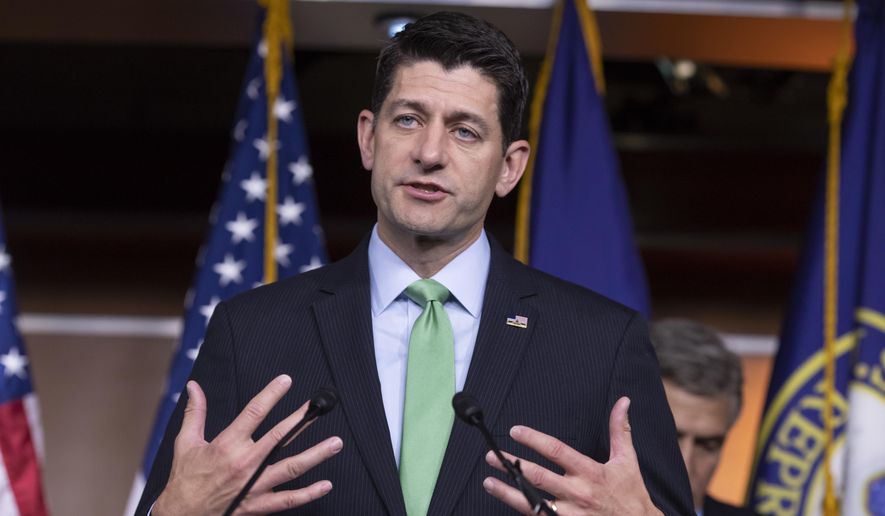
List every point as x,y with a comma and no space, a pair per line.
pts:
466,408
323,400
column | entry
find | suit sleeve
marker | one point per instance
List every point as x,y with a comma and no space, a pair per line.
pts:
636,375
215,372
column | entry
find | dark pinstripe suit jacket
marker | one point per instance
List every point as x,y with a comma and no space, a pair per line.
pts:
713,507
560,375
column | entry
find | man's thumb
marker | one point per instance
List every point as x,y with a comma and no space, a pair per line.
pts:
194,422
619,431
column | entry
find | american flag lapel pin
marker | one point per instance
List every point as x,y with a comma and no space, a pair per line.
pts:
519,321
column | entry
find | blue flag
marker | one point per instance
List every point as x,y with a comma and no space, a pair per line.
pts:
789,473
233,258
21,490
574,220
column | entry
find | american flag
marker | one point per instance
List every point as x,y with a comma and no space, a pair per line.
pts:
233,259
21,437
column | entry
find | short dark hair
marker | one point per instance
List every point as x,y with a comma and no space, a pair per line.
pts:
454,40
694,358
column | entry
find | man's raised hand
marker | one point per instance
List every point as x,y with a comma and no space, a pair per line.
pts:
206,476
587,487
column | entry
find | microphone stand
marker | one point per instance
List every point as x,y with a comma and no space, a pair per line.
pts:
468,410
321,402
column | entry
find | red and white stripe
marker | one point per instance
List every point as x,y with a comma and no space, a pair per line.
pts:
21,451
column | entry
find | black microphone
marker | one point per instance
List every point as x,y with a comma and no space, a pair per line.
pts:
468,410
322,401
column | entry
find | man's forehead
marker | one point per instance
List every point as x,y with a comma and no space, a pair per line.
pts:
693,409
458,94
428,71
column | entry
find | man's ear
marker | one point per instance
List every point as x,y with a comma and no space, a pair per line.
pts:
365,136
515,160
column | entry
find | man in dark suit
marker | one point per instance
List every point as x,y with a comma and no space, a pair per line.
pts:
546,359
704,382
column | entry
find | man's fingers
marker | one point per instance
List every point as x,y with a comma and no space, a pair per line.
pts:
293,467
194,422
258,407
538,476
509,495
619,432
551,448
276,434
279,501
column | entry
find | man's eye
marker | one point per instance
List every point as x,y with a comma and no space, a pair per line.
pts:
406,121
466,134
710,445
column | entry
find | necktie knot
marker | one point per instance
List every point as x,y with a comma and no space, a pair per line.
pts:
425,290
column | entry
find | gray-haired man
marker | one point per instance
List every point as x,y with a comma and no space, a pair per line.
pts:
704,383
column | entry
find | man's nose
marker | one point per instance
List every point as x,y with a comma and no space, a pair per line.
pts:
430,151
686,446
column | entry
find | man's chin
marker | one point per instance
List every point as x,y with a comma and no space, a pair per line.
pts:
426,228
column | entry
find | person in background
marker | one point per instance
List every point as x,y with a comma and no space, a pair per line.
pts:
703,382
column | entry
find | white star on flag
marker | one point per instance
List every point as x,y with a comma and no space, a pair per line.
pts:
242,229
282,109
14,363
2,299
5,259
263,147
281,253
301,170
208,310
290,211
315,263
255,187
193,353
252,88
262,48
230,270
240,130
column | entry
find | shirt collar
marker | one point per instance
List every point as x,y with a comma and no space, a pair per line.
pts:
465,276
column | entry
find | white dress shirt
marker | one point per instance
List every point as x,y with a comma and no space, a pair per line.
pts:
393,315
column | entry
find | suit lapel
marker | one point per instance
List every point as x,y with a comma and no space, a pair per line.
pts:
345,323
496,358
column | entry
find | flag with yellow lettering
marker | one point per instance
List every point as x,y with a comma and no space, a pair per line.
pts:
814,428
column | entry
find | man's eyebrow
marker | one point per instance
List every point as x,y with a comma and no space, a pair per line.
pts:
414,105
713,437
710,438
466,116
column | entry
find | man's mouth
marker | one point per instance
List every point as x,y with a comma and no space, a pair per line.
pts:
426,191
426,187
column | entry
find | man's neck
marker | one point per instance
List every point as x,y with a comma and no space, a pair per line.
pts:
427,255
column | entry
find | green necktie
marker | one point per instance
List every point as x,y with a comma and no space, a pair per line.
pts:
430,384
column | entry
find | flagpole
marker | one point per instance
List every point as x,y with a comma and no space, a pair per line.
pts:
277,30
836,102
